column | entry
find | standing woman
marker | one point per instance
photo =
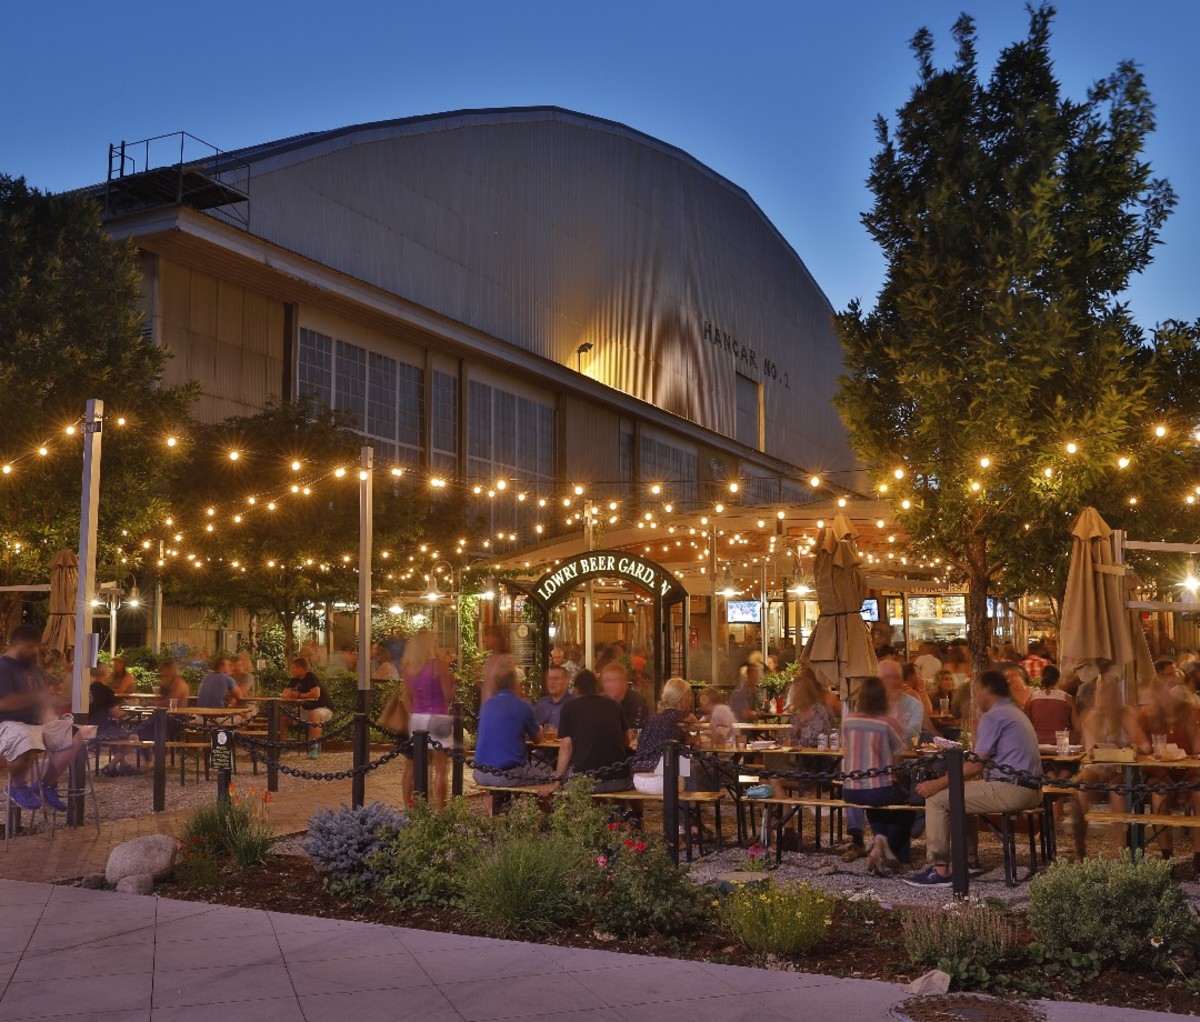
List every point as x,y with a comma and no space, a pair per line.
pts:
432,688
872,740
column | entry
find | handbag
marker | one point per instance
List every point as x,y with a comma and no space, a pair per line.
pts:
395,713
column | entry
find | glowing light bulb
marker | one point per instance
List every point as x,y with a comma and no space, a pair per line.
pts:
363,475
7,470
120,420
733,487
1072,447
339,472
1048,473
1122,462
1160,431
70,431
501,484
985,462
578,491
899,473
397,472
295,466
43,451
814,481
234,455
171,441
906,504
841,501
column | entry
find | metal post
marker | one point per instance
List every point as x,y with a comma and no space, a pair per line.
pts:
366,525
272,752
158,603
589,654
764,613
712,602
671,799
222,787
114,602
958,822
456,763
420,740
159,721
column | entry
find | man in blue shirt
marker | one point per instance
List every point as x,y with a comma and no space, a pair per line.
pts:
218,689
546,711
505,722
1006,738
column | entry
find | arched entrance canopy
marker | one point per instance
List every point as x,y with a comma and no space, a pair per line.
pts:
658,582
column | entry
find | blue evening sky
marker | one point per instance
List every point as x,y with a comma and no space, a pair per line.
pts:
779,97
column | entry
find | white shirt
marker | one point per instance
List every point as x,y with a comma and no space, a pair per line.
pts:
927,666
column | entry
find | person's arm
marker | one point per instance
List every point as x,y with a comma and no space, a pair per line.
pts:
564,762
928,789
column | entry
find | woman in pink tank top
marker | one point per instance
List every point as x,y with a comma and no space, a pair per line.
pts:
432,687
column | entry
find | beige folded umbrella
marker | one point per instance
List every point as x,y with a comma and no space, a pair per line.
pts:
1099,635
59,633
839,648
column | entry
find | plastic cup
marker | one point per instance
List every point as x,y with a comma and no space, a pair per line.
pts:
944,705
172,704
1159,744
1063,741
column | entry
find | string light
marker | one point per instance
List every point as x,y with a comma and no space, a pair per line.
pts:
1072,447
234,455
985,462
171,441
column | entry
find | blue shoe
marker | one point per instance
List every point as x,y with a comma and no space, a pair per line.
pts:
927,877
49,793
25,796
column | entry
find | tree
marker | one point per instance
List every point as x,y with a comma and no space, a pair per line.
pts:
999,384
70,329
284,516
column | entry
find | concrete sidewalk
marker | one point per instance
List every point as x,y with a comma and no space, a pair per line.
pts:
94,955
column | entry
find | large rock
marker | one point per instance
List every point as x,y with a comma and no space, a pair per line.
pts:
139,883
153,855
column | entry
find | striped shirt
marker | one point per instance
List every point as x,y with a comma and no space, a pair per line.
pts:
868,743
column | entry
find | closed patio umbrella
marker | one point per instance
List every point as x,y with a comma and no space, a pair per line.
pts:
1099,634
839,648
64,579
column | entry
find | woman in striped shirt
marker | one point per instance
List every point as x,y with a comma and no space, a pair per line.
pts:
872,740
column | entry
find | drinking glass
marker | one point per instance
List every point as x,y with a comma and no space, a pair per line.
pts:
1063,741
1159,744
944,705
173,704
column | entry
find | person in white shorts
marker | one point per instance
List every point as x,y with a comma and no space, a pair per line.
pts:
24,728
315,703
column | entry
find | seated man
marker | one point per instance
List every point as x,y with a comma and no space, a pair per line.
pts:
614,683
505,722
24,728
546,711
314,700
218,690
104,712
591,734
1006,737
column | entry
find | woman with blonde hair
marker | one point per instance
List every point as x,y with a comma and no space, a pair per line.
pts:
674,711
432,690
811,717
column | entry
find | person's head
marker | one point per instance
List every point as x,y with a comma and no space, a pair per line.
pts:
168,669
100,674
298,667
872,697
676,695
710,697
889,673
1008,652
118,667
806,690
945,683
909,675
1016,679
1050,676
956,656
614,680
992,687
418,651
219,664
1166,669
24,643
494,640
241,664
380,654
507,680
1191,675
1036,648
586,684
556,655
556,680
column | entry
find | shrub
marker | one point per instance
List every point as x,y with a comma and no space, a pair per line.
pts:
523,885
427,862
236,829
782,921
945,936
639,889
1127,909
344,843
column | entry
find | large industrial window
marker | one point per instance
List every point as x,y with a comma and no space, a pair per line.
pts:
673,468
384,397
444,420
749,412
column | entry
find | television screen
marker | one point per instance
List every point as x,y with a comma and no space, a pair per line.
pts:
744,612
870,610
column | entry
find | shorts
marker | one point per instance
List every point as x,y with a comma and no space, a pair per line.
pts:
439,725
319,714
16,738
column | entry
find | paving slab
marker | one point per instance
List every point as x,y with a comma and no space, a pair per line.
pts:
156,960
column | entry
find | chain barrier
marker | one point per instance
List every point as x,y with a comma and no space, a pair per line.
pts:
1026,779
331,727
329,775
714,760
621,768
330,732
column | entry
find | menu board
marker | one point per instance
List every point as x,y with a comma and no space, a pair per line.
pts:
922,606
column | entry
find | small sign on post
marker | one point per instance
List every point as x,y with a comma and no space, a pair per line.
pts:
221,760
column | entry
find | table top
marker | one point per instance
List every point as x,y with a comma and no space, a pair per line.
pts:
207,711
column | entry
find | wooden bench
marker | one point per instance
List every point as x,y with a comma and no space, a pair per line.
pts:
692,802
121,743
787,807
1139,822
183,748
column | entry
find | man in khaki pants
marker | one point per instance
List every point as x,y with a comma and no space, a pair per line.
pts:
1005,737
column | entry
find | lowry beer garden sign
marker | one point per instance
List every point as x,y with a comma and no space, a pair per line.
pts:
553,587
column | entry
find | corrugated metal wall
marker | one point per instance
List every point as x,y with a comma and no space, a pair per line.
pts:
546,230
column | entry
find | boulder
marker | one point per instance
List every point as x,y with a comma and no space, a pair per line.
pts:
933,982
138,883
153,855
92,882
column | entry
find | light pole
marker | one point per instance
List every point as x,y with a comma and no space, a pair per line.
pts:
582,350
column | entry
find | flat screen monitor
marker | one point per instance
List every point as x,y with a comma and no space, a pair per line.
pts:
744,612
870,610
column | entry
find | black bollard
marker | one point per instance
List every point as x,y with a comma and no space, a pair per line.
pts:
420,740
671,799
358,784
958,823
273,753
159,721
76,790
456,769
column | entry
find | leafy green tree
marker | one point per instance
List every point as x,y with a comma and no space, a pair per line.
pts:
283,541
1000,384
70,329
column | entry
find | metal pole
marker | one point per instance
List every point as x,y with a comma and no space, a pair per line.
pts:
366,526
764,612
158,603
160,759
589,655
93,424
712,602
958,822
456,763
272,752
670,819
420,741
113,603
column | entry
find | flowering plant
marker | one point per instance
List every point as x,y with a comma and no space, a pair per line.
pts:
783,920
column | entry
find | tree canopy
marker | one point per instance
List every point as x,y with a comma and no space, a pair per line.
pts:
71,329
1000,383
